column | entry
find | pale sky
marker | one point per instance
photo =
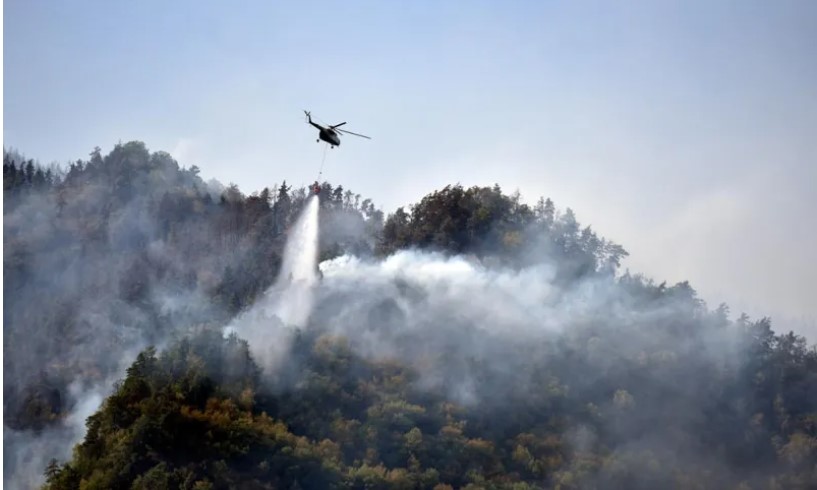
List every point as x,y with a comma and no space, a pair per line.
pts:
684,130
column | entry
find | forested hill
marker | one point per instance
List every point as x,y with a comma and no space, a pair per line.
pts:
471,341
108,255
123,249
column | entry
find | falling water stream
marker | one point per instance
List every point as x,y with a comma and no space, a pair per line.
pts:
268,325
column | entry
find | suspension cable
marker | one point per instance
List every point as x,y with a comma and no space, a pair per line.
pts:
323,159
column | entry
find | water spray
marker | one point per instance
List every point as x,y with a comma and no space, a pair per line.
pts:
269,324
298,275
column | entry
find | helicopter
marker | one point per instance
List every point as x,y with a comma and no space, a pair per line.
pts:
330,134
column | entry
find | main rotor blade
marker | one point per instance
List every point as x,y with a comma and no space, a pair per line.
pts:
336,125
349,132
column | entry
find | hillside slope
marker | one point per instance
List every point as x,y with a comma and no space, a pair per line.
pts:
472,341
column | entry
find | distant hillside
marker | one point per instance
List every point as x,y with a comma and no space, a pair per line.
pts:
472,341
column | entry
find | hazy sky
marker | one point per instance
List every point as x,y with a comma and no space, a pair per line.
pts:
684,130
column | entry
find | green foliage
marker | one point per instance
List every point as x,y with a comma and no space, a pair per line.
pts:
190,418
177,421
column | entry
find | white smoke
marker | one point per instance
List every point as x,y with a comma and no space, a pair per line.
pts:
430,311
455,287
455,320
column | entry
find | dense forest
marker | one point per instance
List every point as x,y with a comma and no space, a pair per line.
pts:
470,341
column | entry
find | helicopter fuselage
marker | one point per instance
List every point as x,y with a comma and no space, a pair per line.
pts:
330,137
327,134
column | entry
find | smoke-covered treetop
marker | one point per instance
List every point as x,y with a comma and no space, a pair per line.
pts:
473,341
490,224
